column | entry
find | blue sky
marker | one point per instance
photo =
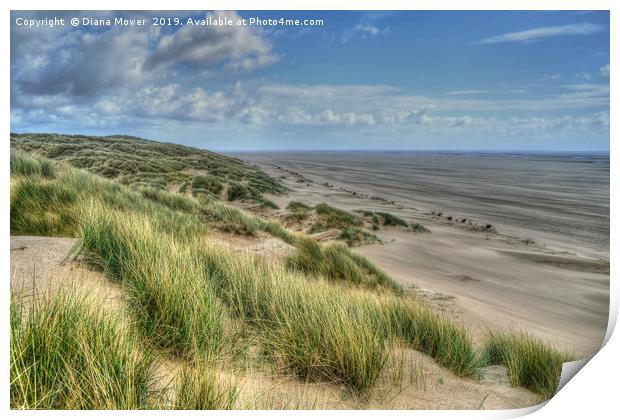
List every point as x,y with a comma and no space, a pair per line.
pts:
521,80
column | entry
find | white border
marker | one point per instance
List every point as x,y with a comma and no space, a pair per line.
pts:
592,394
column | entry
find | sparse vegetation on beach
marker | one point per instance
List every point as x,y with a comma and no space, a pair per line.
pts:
379,218
419,228
354,236
333,218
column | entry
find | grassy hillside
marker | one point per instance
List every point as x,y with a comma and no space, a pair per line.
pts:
138,162
322,314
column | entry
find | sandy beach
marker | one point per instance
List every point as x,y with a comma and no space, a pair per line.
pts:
543,267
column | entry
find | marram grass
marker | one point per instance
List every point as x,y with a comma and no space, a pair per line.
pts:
310,315
166,289
67,354
531,363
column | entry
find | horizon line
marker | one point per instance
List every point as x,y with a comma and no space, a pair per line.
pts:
344,150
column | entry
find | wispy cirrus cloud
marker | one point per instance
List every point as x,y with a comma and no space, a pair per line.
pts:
485,92
367,27
537,34
363,31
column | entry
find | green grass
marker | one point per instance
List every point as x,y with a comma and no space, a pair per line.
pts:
173,304
308,328
391,220
298,206
336,262
210,184
326,314
139,162
531,363
445,341
379,218
66,354
333,218
356,236
419,228
266,203
237,191
198,388
298,212
231,219
25,165
172,201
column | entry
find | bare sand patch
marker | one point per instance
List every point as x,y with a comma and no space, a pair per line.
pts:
40,265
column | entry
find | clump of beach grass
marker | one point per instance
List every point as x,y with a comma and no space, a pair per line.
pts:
419,228
391,220
298,206
298,211
23,164
231,219
354,236
197,387
335,261
67,354
207,183
308,328
172,201
173,304
444,340
531,363
333,218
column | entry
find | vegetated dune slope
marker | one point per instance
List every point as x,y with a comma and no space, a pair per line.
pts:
204,314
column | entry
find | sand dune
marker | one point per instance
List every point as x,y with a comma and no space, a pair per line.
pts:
40,265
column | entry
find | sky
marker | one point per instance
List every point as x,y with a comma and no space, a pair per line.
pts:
381,80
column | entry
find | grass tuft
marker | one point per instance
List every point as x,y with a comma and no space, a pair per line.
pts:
447,342
419,228
531,363
335,261
333,218
391,220
173,303
356,236
66,354
23,164
198,388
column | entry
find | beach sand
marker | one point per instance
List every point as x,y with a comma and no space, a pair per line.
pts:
542,268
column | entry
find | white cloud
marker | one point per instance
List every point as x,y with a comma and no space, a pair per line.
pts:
363,31
241,47
280,106
86,64
605,71
536,34
132,78
584,75
552,77
484,92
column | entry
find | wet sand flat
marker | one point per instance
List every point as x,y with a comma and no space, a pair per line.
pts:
563,199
